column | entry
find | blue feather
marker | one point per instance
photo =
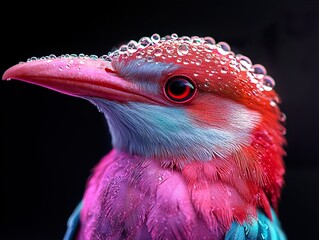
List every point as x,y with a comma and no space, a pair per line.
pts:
261,228
73,223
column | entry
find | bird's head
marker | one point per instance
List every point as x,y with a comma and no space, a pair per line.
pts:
176,99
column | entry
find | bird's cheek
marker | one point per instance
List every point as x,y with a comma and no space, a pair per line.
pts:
209,112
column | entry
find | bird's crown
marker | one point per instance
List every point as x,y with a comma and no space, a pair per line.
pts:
213,65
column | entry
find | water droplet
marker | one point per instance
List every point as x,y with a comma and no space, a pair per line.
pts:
198,62
182,49
208,57
273,103
186,61
283,117
186,39
52,56
106,57
169,49
149,59
245,62
259,69
209,40
179,60
224,46
60,68
283,131
139,55
94,57
268,83
144,42
223,60
263,235
174,36
132,46
224,70
196,74
158,52
196,40
155,38
81,55
150,49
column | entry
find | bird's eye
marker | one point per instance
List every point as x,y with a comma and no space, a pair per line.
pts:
179,89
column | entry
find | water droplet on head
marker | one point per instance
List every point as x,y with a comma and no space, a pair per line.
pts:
158,52
268,83
186,39
198,62
155,37
208,57
259,69
186,61
94,57
182,49
283,117
106,58
223,60
224,46
150,49
196,40
139,55
144,42
245,62
132,46
174,36
169,49
273,103
224,69
209,40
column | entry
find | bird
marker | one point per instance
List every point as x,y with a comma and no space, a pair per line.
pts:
197,133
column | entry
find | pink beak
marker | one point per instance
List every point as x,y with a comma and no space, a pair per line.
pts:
77,76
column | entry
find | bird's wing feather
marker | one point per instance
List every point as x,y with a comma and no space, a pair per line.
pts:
73,223
261,228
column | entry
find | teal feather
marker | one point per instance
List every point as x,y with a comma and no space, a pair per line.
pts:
73,223
261,228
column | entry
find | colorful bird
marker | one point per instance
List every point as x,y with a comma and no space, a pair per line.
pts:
197,140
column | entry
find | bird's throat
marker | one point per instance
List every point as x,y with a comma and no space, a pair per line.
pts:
166,133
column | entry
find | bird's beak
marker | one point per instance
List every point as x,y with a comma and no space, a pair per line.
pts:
77,76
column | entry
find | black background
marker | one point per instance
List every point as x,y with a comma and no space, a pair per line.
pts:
49,142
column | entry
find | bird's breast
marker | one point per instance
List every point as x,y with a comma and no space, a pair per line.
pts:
128,197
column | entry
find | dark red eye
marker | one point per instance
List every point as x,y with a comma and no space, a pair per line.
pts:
179,89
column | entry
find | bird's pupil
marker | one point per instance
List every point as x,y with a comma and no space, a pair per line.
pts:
179,89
